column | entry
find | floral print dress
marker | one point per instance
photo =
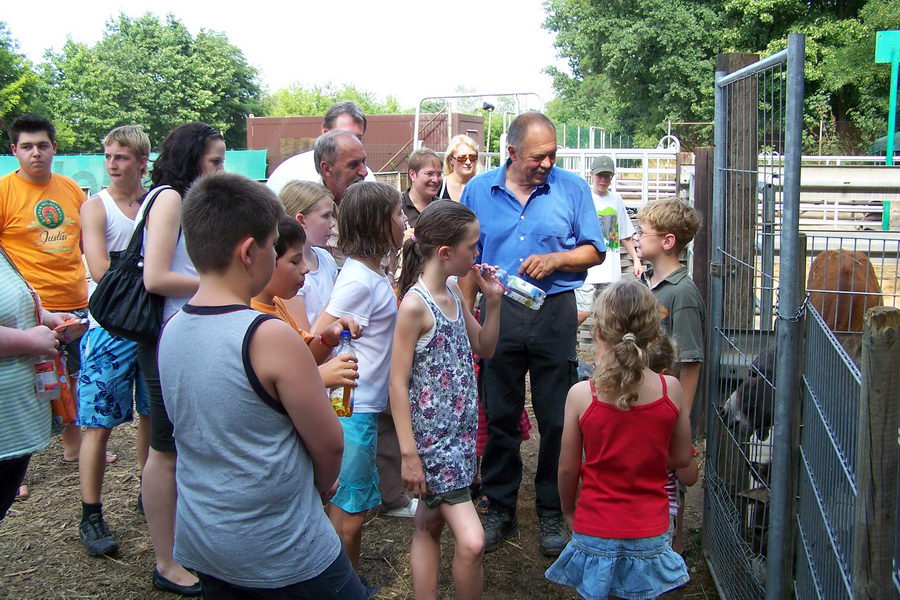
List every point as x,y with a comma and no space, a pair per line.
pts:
443,400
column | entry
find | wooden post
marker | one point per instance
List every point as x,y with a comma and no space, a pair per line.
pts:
703,178
741,197
874,528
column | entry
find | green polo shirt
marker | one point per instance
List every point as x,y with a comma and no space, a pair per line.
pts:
685,318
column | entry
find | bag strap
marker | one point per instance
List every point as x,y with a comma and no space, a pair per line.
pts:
137,237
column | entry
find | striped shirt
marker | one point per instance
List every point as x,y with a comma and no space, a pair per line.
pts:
24,420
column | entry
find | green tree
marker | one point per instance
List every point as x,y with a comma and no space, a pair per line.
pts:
153,73
20,85
636,63
297,100
846,93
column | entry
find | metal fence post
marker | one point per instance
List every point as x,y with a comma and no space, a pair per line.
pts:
779,565
717,241
876,458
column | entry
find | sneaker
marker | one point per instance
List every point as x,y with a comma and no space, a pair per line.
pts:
407,511
498,526
95,536
554,534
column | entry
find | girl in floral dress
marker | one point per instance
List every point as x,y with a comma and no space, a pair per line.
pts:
433,393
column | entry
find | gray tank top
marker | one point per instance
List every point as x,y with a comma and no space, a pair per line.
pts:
248,511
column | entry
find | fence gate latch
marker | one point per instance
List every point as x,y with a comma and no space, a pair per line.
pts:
716,270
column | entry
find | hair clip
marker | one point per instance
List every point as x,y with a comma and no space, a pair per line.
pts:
629,337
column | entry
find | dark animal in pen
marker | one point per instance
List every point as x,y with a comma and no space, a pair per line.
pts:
842,286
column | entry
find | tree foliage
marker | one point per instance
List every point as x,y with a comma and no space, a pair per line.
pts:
297,100
20,85
637,63
153,73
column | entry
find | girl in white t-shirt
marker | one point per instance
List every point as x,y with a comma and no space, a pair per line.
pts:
312,205
370,227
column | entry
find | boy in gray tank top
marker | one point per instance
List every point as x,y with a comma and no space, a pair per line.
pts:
250,415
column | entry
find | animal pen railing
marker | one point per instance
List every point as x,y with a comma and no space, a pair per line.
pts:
790,440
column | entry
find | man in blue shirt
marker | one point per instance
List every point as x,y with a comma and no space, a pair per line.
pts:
538,221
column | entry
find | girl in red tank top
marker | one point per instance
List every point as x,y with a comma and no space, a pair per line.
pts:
627,424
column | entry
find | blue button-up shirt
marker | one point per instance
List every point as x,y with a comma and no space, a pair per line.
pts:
558,217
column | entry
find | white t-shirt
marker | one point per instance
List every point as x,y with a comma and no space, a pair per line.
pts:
300,167
615,225
369,298
318,285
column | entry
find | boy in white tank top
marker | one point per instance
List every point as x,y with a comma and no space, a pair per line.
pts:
109,374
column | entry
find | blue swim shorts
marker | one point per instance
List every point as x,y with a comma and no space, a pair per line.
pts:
358,482
109,381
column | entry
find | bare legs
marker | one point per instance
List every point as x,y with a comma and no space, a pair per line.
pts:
92,463
159,496
71,439
92,459
425,553
349,528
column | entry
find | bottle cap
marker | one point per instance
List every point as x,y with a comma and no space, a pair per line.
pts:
346,335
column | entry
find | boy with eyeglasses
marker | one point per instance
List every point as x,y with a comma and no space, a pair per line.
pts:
665,227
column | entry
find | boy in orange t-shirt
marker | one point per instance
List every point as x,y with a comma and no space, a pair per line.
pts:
40,229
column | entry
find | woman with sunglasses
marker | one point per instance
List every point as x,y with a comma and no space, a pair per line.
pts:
460,165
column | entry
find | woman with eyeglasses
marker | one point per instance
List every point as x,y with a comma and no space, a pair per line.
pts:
460,165
425,179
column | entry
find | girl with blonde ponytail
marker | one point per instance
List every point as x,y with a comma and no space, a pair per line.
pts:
627,423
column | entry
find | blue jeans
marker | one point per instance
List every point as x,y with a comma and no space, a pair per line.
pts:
339,582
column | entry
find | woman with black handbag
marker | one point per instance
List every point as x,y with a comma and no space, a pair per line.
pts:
189,151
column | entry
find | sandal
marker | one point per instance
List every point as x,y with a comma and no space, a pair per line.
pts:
23,492
110,459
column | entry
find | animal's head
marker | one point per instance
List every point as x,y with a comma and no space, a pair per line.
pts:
750,408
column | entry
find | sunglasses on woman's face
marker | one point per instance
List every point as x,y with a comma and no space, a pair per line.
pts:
464,157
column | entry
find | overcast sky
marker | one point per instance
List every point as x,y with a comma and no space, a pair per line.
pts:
407,48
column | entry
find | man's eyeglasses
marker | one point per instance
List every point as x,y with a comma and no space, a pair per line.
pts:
464,157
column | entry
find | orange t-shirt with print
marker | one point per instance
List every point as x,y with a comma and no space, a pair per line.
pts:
40,229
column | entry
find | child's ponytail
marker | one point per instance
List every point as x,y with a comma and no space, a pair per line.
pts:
627,318
412,258
442,223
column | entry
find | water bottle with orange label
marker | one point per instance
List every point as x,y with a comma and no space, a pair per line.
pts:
342,396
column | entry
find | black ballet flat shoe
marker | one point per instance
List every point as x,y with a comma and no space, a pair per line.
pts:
164,585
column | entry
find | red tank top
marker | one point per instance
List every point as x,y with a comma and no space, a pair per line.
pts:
624,474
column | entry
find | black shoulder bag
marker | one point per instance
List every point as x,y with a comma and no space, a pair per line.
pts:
120,302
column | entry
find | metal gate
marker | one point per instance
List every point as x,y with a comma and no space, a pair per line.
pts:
755,325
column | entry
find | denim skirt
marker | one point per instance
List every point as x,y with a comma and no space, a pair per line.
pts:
633,569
